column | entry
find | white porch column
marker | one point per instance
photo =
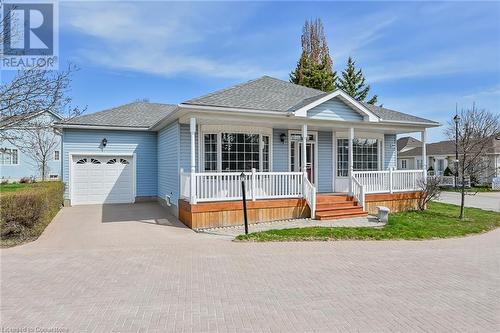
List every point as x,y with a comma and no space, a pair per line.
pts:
192,129
351,160
424,152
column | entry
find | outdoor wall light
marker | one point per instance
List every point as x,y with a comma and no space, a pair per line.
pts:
104,142
282,137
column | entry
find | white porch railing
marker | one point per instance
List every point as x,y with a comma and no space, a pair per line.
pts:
358,192
449,181
221,186
310,195
388,181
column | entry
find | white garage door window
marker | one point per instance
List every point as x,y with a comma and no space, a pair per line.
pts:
102,179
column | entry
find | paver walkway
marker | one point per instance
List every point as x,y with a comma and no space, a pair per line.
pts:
355,222
132,268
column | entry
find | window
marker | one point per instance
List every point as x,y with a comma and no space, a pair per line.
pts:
9,157
403,164
210,152
365,155
56,155
419,165
236,152
440,165
82,161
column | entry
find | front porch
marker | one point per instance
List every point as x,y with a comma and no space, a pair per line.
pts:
291,171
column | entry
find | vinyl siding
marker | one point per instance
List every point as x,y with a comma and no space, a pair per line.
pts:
334,109
390,159
280,151
27,166
142,143
325,162
168,162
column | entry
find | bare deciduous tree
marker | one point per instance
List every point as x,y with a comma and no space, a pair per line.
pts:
430,190
476,128
39,143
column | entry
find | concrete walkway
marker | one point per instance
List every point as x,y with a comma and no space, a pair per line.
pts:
133,268
356,222
483,200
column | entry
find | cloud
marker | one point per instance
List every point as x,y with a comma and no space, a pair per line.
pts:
161,38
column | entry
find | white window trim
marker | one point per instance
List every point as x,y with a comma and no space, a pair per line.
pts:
380,157
218,129
18,158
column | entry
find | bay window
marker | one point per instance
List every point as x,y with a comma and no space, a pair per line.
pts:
365,155
236,151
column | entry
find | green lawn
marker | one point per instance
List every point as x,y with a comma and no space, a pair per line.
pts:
438,221
12,187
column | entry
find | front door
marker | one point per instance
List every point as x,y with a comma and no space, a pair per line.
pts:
296,155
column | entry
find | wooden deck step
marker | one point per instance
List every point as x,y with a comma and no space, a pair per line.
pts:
341,216
336,206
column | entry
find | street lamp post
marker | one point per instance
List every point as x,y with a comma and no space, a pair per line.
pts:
244,199
456,119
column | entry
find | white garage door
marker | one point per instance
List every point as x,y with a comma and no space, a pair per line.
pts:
102,179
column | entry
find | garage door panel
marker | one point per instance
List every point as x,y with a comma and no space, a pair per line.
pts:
96,183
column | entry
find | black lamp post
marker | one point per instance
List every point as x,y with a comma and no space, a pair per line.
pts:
456,119
242,178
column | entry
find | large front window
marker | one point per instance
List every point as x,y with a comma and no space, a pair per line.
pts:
365,155
236,152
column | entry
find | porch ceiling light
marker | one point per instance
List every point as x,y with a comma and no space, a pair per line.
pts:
282,137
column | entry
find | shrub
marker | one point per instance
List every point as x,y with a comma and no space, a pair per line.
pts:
24,214
448,172
25,180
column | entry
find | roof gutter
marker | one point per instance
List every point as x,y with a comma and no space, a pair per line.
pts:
101,127
411,122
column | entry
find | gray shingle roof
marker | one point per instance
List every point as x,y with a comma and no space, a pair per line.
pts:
136,115
388,114
271,94
265,93
436,148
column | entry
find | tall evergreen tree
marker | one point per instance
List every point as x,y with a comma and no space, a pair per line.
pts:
314,68
353,83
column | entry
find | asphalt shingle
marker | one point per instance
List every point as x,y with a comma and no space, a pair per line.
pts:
134,115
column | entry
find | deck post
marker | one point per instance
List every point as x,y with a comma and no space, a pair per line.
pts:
192,129
391,185
351,161
424,153
304,158
253,184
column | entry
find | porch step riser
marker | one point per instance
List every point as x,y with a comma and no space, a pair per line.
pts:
344,216
332,207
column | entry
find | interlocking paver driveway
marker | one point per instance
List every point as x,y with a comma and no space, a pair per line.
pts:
115,269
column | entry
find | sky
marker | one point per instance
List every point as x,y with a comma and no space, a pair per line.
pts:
418,57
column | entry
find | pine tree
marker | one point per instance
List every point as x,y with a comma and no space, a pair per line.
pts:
314,68
353,83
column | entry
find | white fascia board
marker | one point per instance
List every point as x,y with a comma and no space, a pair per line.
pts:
418,123
101,127
360,108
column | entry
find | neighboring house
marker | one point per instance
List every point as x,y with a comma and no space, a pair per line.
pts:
441,155
290,141
16,161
